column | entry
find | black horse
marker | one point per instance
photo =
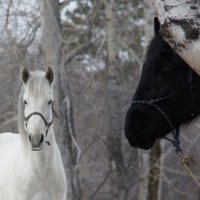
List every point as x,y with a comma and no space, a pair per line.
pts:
168,95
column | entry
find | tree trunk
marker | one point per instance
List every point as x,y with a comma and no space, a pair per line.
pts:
154,172
113,107
143,166
54,57
180,28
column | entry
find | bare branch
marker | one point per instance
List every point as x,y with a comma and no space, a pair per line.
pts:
132,52
8,14
63,4
89,146
75,52
172,186
67,102
101,45
100,185
29,38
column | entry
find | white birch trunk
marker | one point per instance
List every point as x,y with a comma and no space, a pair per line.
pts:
180,28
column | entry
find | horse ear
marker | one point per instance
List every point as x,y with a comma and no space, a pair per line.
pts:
49,75
156,25
25,75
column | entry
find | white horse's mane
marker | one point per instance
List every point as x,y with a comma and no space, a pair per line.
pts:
38,84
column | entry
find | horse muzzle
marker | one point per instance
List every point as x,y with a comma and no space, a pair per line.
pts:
140,143
36,142
142,146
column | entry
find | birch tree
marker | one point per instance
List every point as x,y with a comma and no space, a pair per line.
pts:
180,28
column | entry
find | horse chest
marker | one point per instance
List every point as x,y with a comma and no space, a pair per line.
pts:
23,181
40,187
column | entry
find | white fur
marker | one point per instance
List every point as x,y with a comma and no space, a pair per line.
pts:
26,174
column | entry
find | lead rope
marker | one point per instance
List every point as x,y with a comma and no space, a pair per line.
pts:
186,162
176,141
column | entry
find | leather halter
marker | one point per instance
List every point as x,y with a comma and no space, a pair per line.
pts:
47,124
152,103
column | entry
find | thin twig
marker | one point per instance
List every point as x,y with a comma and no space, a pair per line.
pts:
8,14
66,100
63,4
75,52
138,60
100,186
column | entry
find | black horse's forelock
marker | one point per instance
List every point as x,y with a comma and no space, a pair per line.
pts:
164,73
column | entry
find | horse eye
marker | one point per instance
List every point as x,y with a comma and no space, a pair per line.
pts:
50,102
25,102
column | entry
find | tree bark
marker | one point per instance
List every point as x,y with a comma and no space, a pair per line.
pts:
180,28
143,171
54,56
113,106
154,172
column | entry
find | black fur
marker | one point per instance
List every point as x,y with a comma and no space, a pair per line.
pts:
164,73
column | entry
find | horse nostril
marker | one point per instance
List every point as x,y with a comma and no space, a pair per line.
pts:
35,143
30,139
42,138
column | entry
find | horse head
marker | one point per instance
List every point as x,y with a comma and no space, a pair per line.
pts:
38,102
167,95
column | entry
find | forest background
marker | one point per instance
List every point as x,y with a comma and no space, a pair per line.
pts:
96,49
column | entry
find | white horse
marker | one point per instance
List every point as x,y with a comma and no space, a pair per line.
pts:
31,166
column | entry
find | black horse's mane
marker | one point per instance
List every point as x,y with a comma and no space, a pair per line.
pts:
157,45
158,49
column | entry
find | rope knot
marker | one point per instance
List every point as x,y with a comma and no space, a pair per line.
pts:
186,160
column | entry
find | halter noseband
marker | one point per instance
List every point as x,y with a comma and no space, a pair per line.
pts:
47,124
152,103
